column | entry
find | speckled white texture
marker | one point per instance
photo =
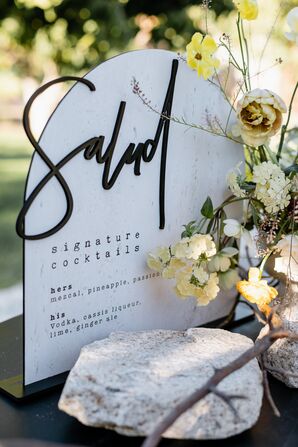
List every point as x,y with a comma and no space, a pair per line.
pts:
129,381
283,354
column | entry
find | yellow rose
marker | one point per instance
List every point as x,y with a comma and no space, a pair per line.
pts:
248,9
199,55
259,114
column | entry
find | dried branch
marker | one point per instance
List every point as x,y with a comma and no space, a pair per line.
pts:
220,132
267,390
260,346
257,313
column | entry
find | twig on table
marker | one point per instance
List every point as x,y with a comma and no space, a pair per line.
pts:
267,390
260,346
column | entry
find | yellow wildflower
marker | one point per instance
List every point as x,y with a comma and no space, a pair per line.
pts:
200,55
256,290
248,9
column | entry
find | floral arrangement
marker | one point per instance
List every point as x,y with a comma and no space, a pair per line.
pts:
205,260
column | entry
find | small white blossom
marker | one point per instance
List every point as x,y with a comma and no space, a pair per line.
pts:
159,260
200,274
196,282
272,186
194,247
219,263
292,19
287,261
232,228
233,184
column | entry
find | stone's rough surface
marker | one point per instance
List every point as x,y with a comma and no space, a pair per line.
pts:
130,381
283,354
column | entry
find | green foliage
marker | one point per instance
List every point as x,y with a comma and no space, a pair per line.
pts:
190,229
78,35
15,154
207,208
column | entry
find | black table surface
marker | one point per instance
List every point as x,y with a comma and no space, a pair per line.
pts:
40,419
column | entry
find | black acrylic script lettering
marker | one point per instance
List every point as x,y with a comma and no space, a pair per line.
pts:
93,148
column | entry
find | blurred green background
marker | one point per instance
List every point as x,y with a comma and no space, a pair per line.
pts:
42,39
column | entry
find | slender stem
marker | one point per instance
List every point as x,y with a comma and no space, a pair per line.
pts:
263,156
267,389
244,73
285,126
247,54
265,259
182,121
228,202
235,63
232,108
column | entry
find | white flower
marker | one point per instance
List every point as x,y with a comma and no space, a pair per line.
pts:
171,268
202,244
201,275
287,262
272,186
292,19
259,114
194,247
194,281
232,228
159,261
164,262
233,184
219,263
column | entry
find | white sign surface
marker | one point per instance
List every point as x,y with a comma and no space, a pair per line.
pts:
90,278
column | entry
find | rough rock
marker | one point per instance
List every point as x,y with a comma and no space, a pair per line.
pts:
129,381
283,354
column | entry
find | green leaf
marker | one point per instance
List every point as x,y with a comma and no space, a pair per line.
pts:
207,208
190,229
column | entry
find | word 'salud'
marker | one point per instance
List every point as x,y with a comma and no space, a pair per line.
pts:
93,148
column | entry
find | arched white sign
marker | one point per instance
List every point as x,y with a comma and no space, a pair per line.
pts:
88,276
